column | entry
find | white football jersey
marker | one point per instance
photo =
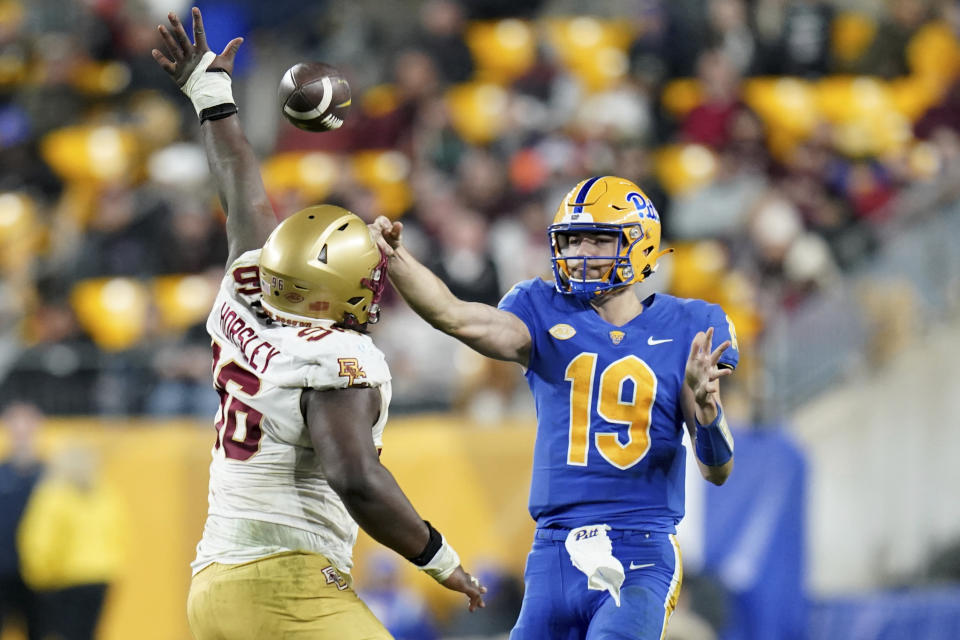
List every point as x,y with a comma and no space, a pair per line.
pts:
268,492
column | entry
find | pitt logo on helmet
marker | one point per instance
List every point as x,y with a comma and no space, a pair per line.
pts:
606,205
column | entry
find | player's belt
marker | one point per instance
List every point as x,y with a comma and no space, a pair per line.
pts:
560,533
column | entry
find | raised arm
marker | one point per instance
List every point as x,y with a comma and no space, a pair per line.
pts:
488,330
205,79
340,422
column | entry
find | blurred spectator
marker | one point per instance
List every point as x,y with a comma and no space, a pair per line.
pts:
121,235
402,610
19,473
441,36
464,262
730,32
803,48
193,240
887,54
183,378
710,122
71,541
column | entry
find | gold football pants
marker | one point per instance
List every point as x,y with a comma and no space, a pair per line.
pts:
295,595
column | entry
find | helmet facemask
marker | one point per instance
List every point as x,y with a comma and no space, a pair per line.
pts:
618,274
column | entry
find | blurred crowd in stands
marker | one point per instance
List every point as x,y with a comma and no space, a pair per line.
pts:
780,140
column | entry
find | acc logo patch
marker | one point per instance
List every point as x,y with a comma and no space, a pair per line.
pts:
617,336
562,331
350,368
293,297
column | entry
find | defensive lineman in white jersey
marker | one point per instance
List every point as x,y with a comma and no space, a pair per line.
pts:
303,402
256,508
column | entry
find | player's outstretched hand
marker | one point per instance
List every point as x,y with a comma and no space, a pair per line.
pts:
388,235
184,55
703,373
466,584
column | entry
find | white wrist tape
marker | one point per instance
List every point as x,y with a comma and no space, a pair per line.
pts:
205,89
443,564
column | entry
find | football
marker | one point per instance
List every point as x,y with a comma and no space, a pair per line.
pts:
314,96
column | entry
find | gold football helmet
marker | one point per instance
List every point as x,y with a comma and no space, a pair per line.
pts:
321,263
606,204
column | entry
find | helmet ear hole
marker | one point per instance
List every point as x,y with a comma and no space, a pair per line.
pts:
323,255
355,300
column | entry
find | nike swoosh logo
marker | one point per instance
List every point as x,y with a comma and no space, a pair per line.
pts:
640,566
651,341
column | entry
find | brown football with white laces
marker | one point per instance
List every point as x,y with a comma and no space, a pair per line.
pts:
314,96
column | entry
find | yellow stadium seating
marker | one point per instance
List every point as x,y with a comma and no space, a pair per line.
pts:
91,153
502,50
681,96
851,34
113,311
684,167
20,231
864,114
183,300
312,174
101,78
934,51
379,100
786,105
385,173
913,95
478,111
593,50
698,268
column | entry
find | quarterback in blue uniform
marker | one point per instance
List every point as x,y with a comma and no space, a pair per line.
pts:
614,377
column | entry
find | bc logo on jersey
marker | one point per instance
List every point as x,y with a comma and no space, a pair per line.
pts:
333,577
350,368
643,206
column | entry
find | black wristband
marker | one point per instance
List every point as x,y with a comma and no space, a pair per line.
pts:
217,112
433,545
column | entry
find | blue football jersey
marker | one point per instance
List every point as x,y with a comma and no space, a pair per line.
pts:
609,416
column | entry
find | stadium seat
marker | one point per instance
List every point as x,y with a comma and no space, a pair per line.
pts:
113,311
379,100
698,268
90,153
684,167
864,114
478,111
19,231
593,50
850,35
913,95
385,173
787,106
502,50
96,78
681,96
312,174
934,52
183,300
